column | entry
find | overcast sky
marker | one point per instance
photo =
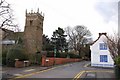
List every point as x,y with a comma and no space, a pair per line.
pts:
97,15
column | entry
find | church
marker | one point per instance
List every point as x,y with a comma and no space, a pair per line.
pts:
32,35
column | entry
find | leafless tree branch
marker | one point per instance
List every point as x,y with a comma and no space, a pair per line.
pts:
77,36
113,43
6,16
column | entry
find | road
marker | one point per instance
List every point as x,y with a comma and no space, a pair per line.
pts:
70,71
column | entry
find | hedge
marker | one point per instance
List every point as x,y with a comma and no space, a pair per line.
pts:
13,54
4,53
50,54
117,60
71,55
117,72
62,55
117,68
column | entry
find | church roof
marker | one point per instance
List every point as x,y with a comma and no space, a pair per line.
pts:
11,35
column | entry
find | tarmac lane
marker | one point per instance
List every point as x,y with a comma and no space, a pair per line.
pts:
66,71
70,71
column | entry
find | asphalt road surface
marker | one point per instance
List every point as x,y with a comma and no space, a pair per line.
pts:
71,71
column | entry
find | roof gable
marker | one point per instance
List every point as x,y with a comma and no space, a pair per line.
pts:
100,34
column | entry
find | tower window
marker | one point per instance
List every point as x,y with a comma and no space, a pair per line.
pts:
31,22
40,23
38,27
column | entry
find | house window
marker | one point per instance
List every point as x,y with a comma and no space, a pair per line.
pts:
103,58
103,46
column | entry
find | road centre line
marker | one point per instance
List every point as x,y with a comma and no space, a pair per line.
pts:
78,75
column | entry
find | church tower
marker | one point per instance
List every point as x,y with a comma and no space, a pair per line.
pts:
33,32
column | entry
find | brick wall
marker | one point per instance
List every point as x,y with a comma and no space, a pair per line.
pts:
55,61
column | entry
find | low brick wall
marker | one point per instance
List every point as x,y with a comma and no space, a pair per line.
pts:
19,64
55,61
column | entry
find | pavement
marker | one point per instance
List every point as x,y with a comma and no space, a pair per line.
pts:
71,70
97,73
11,72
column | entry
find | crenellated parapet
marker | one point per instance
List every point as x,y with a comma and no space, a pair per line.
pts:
34,14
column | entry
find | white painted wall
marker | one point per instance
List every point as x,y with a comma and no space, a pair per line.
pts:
96,52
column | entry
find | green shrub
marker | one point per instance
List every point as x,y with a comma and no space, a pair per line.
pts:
63,55
32,58
117,72
117,68
15,53
38,58
50,54
117,60
57,55
71,55
4,53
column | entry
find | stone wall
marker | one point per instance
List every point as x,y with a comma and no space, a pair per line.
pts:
33,32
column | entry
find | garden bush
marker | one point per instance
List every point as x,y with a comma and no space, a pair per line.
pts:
58,55
117,67
117,72
15,53
4,53
50,54
63,55
117,61
71,55
38,58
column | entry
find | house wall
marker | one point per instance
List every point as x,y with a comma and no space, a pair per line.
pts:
96,52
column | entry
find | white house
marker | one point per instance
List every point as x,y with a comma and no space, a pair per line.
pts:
100,55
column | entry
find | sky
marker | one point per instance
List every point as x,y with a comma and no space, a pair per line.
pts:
97,15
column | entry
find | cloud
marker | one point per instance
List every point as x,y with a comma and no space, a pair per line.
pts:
109,10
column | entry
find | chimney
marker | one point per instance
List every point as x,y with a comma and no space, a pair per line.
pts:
102,34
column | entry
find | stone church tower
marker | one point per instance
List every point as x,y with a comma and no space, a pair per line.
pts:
33,32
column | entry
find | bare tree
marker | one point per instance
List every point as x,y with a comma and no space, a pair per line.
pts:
6,16
77,37
113,43
72,38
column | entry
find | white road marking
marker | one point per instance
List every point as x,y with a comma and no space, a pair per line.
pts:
29,70
17,74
